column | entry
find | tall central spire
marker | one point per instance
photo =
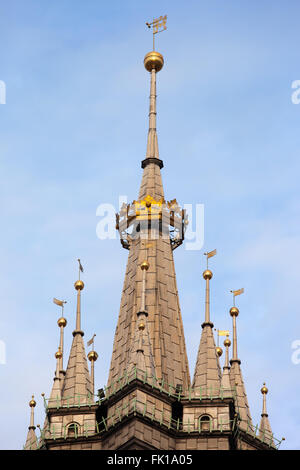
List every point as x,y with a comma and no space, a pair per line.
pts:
161,331
152,182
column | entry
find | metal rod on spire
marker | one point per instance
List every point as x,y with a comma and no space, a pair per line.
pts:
62,322
264,392
144,268
207,275
58,356
32,405
234,311
154,62
227,343
92,357
79,285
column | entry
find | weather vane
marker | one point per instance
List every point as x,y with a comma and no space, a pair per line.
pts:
158,25
80,268
61,303
235,293
209,255
91,341
222,333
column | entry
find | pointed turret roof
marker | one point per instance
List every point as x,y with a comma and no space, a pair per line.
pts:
55,396
265,431
207,375
163,329
236,378
225,382
77,380
141,356
31,441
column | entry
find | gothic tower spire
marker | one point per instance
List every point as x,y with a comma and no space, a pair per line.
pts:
56,389
148,403
152,239
151,182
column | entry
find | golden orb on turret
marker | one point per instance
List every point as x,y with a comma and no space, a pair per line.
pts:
141,326
153,60
92,356
79,285
227,342
58,354
207,274
234,311
219,351
145,265
62,322
264,389
32,402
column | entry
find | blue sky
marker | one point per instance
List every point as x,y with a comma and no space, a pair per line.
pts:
72,135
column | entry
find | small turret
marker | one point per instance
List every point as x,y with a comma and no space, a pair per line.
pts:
31,441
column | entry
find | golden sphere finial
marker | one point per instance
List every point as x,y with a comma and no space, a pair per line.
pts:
79,285
58,354
219,351
145,265
153,60
141,326
62,322
207,274
227,342
32,402
92,356
234,311
264,389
